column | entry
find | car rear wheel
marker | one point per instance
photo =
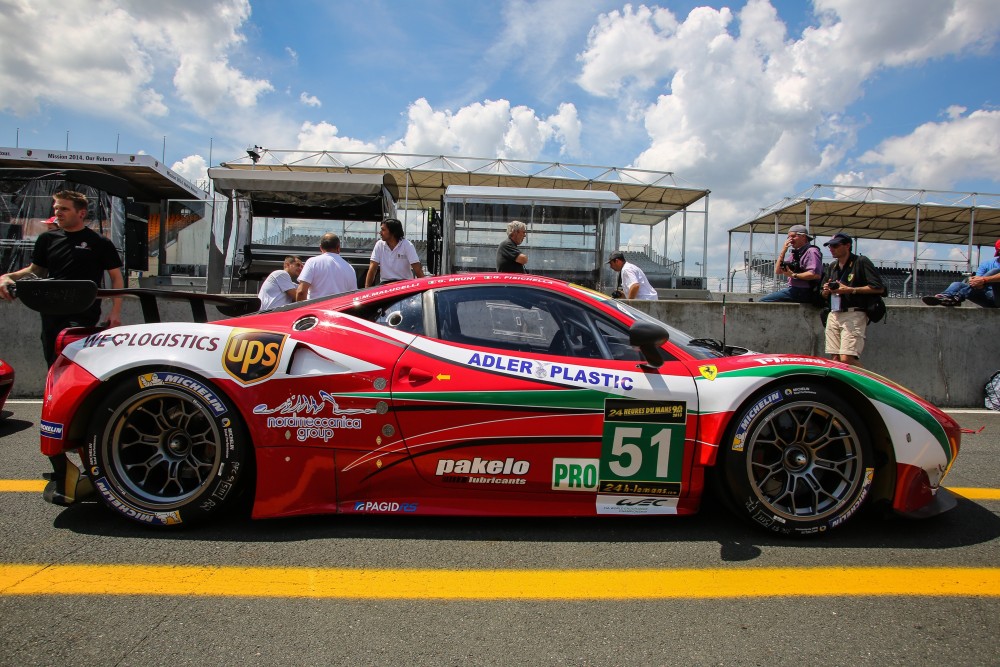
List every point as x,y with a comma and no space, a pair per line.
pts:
166,449
797,460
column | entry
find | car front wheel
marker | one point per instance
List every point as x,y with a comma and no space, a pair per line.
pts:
166,449
797,460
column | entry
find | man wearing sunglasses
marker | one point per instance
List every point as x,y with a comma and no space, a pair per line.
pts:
981,289
850,283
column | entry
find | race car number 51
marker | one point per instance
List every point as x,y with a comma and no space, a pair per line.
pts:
642,450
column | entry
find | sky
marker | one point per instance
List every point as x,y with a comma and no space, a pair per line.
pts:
755,101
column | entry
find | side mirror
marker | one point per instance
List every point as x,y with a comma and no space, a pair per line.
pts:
648,337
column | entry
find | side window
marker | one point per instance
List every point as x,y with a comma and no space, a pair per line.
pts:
406,314
616,338
503,318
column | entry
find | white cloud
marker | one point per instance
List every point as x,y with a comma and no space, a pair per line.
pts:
193,168
309,100
746,108
324,137
490,128
964,147
118,57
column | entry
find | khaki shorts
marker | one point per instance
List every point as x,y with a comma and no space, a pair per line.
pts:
845,332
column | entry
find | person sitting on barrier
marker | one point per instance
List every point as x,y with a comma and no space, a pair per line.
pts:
279,288
393,257
632,281
327,273
804,269
72,251
981,289
510,259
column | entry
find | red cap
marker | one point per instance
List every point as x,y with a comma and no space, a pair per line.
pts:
997,246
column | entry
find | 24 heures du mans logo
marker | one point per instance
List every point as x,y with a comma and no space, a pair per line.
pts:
251,356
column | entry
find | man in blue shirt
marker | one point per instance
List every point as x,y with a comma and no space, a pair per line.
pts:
981,288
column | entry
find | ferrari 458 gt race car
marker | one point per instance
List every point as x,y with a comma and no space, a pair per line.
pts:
479,394
6,384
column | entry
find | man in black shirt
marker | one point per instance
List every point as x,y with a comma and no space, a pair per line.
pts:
850,283
510,259
73,251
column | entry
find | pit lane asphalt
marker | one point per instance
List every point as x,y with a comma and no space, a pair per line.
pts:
194,629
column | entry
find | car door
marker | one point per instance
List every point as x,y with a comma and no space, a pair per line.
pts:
527,395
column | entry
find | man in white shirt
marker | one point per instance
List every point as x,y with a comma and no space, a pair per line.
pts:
393,257
278,289
326,274
634,284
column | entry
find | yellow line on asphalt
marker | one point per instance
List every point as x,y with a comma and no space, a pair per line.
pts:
18,485
976,493
413,584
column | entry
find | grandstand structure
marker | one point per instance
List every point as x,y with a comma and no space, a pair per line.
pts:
901,215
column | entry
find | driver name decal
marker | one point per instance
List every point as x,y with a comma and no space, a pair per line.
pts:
252,356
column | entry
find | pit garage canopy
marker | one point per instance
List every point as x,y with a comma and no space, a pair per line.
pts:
648,197
961,218
314,195
889,214
149,180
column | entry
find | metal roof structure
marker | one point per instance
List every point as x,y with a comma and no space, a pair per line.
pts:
150,180
648,197
892,214
888,214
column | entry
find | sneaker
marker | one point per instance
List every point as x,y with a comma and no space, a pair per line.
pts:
941,300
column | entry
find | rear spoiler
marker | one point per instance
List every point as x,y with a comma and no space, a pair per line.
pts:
65,297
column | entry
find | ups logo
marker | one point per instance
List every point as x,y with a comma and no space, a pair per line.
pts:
252,356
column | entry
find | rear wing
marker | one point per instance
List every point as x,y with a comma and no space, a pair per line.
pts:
65,297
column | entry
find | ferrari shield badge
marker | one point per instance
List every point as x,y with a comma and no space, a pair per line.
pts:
708,372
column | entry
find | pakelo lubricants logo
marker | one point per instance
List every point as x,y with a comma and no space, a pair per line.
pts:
252,356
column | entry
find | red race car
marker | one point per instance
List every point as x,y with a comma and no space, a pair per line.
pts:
479,394
6,384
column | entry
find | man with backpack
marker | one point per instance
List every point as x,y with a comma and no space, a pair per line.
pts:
852,284
802,263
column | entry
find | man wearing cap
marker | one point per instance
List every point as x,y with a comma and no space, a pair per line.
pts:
981,288
804,268
850,284
632,282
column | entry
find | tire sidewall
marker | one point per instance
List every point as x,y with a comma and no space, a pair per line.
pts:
742,496
213,496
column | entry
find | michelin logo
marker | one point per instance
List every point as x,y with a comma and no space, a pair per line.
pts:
51,430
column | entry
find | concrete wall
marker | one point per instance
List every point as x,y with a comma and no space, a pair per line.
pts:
945,355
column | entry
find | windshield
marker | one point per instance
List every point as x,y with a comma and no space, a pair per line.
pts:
699,348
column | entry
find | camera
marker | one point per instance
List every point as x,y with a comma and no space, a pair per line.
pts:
833,285
618,294
793,266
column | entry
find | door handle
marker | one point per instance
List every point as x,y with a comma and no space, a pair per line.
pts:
415,376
